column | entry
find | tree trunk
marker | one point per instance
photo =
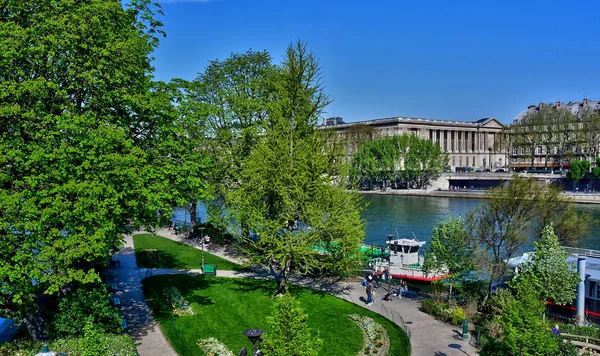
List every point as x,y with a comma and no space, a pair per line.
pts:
283,278
489,291
192,211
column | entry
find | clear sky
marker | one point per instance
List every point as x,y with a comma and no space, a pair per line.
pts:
441,59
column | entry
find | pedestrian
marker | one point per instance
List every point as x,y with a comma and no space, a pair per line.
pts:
369,293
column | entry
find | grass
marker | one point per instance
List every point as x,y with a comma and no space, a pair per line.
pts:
172,254
225,307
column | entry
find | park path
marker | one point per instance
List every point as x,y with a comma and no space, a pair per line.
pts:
428,336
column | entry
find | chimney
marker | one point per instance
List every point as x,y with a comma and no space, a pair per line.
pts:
584,101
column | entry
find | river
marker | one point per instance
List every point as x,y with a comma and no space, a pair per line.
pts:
416,216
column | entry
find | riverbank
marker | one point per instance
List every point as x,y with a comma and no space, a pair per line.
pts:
473,194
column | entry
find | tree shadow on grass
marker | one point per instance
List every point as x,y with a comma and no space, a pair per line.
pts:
157,259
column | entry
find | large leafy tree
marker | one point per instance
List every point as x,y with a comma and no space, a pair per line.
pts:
451,252
228,104
292,193
408,158
76,115
499,227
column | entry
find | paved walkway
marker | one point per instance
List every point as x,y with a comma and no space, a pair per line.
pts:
428,336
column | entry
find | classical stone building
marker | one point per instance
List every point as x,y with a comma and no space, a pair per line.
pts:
469,144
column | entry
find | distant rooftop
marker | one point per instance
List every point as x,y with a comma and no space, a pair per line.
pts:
575,108
338,122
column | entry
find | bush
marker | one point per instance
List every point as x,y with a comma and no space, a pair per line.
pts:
589,331
89,304
213,347
92,344
427,306
457,316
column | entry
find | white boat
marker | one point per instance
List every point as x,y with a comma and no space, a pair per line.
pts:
404,262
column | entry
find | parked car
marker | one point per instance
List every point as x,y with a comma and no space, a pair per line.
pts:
501,170
478,171
487,170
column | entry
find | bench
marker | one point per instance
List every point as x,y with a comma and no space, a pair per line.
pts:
210,270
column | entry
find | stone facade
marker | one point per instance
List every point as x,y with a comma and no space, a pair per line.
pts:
469,144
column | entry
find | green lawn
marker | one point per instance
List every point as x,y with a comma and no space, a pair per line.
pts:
225,307
172,254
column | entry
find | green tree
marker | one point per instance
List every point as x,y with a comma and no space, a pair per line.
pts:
290,334
577,170
77,114
523,328
450,251
294,177
229,104
87,305
499,227
554,277
597,168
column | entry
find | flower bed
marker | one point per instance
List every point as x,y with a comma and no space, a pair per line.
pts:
376,340
177,302
214,347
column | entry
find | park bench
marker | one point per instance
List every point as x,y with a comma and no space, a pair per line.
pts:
210,270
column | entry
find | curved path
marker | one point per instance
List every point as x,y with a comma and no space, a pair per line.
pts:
428,336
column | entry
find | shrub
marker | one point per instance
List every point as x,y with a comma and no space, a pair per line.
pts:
589,331
427,306
92,344
87,305
213,347
457,316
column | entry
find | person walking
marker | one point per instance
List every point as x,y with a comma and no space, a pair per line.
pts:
369,293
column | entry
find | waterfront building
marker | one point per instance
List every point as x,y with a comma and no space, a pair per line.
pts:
561,133
472,144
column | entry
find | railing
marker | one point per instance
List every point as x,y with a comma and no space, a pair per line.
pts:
581,251
583,341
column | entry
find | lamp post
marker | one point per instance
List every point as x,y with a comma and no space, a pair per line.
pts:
254,336
202,239
389,277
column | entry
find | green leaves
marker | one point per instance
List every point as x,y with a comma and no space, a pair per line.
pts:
77,113
406,158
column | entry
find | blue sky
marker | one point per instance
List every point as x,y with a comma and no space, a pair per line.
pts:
440,59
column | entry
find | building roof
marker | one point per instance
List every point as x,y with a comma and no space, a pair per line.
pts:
574,107
413,120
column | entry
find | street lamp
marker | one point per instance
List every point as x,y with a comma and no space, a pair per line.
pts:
389,277
202,239
254,336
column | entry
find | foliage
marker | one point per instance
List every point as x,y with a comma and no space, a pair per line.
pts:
523,329
555,277
443,310
450,251
590,331
498,227
227,306
77,110
292,194
597,168
226,107
177,302
406,159
173,254
88,305
213,347
93,343
376,334
290,334
499,301
577,170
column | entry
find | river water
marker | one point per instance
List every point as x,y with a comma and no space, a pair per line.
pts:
415,217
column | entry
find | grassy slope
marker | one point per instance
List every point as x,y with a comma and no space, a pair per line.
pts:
172,254
225,307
